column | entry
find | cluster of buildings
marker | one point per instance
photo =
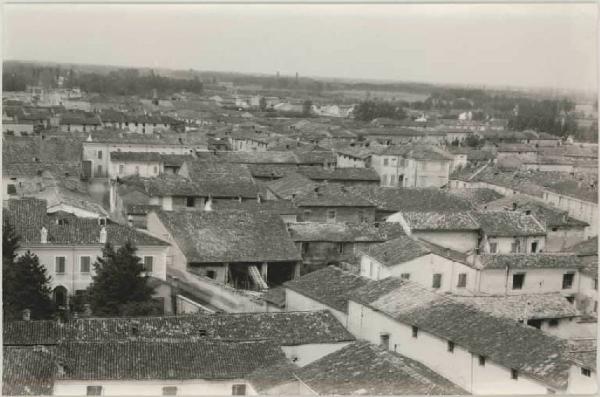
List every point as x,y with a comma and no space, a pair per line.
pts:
311,256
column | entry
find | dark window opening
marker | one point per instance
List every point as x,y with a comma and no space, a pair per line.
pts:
570,299
462,280
169,391
238,390
415,332
190,202
534,247
518,280
553,322
437,281
586,372
11,189
94,390
405,276
481,361
535,323
384,341
514,374
568,280
211,274
451,347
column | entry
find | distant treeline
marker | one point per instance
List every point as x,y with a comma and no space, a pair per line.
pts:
119,82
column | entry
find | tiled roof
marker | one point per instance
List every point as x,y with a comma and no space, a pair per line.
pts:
280,207
331,195
272,375
271,170
340,174
147,360
27,371
410,199
523,307
230,236
418,152
50,150
223,179
34,169
292,184
343,232
582,352
586,248
285,328
396,251
80,118
547,215
329,286
362,368
136,156
275,296
120,137
505,342
439,221
516,147
476,196
508,224
28,216
530,261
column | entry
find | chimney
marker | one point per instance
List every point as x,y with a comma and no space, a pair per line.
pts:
26,315
258,198
103,235
87,310
43,235
208,205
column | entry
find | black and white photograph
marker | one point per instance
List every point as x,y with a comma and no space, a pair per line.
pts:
299,198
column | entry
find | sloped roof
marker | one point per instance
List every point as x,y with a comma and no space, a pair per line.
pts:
363,368
530,261
440,221
48,150
292,184
280,207
508,224
525,306
329,286
506,342
146,360
27,371
28,216
410,199
230,236
586,248
331,195
582,352
343,232
340,174
476,196
284,328
398,250
418,152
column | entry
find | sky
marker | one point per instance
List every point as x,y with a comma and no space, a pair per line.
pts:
527,45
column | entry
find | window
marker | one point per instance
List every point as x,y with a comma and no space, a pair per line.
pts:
60,262
11,189
238,390
515,247
94,390
514,374
534,247
148,263
99,154
415,332
169,391
568,280
553,322
190,202
330,215
211,274
586,372
385,162
596,307
341,248
405,276
400,180
155,169
84,264
384,341
462,280
481,361
554,229
570,299
121,169
596,284
99,170
518,280
437,280
451,347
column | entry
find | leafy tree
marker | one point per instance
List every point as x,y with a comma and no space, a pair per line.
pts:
474,141
25,284
118,282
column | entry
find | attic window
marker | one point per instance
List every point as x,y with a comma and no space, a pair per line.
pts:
202,332
586,372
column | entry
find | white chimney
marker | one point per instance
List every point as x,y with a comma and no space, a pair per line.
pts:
44,235
103,235
208,205
26,315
